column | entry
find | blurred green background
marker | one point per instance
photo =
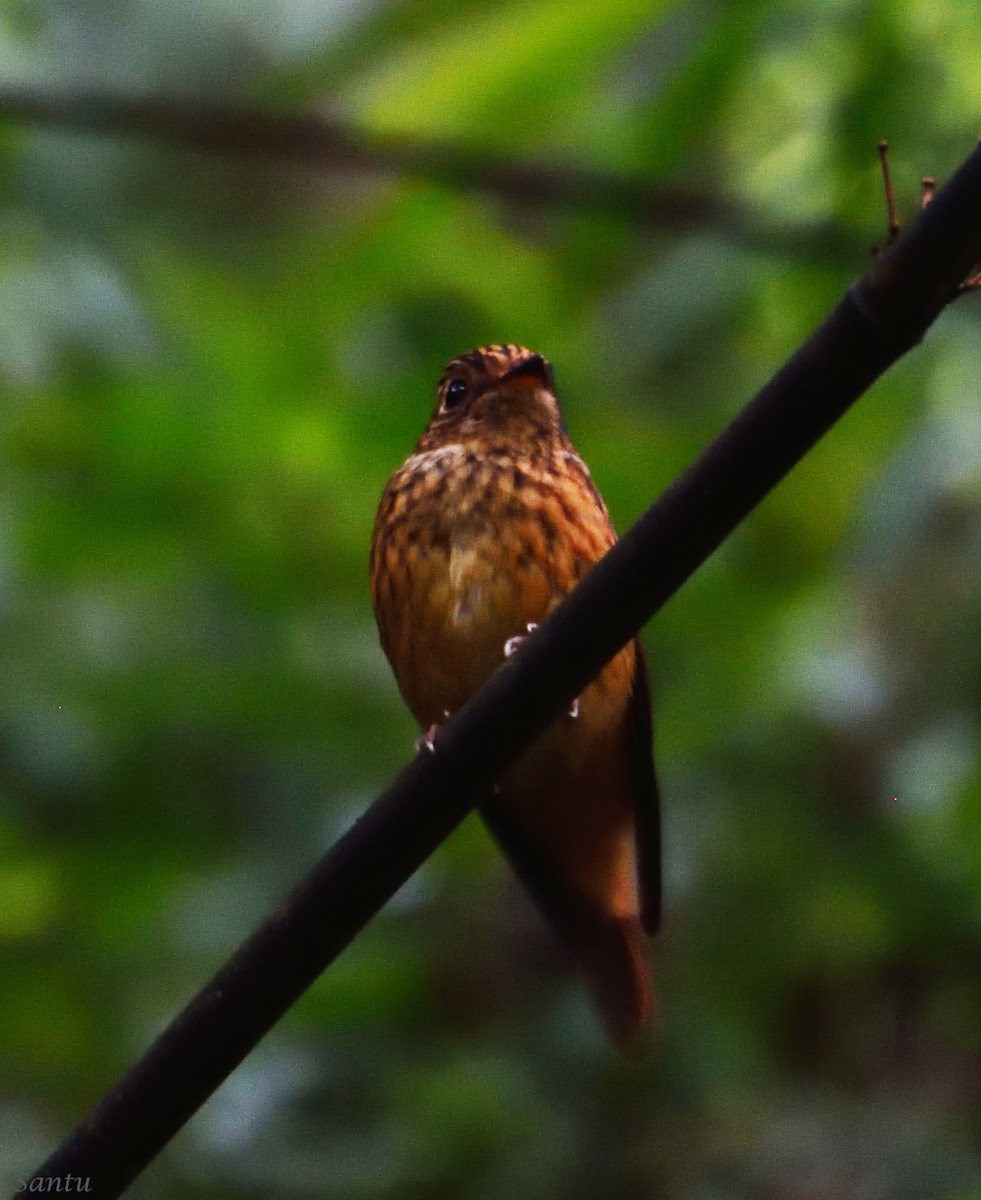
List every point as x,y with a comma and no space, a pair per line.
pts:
209,368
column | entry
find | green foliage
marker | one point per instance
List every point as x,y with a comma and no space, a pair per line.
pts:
209,369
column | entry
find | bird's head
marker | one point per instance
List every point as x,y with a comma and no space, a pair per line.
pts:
497,395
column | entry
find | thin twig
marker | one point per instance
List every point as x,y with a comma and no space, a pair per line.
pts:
891,212
972,282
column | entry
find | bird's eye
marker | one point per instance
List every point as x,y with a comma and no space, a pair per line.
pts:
456,393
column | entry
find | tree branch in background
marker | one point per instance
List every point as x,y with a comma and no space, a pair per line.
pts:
879,319
324,143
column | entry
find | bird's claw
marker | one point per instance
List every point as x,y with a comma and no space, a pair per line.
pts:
427,740
512,644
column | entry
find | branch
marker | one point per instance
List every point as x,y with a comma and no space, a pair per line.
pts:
325,143
879,319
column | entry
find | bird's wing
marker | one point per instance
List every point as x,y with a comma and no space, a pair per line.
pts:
647,802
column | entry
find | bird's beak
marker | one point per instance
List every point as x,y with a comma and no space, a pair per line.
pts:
534,369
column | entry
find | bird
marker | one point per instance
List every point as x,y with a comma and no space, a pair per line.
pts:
490,521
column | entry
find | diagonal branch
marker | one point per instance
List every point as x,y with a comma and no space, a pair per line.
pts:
879,319
324,143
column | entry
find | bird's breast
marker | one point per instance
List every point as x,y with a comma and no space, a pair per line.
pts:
470,551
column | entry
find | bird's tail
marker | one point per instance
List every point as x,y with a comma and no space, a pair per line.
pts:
607,948
610,953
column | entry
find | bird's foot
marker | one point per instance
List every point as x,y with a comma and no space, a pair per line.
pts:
512,644
427,740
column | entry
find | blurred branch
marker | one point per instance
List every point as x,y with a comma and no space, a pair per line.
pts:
878,320
324,143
